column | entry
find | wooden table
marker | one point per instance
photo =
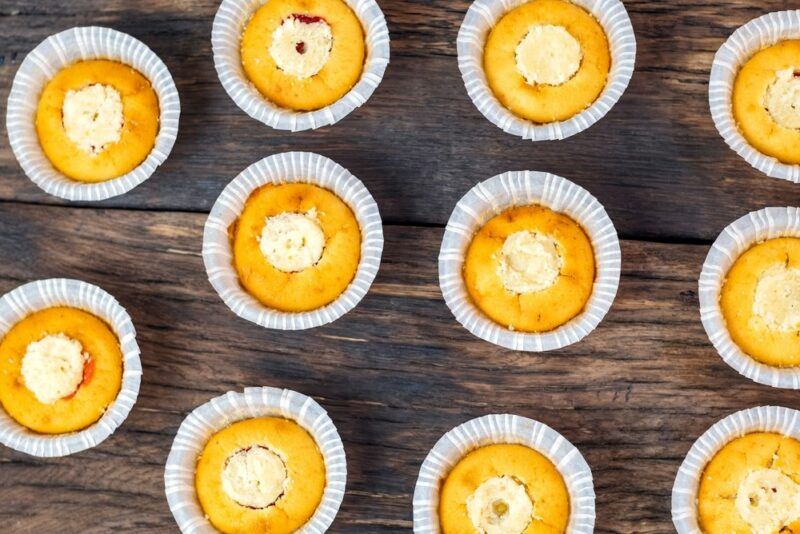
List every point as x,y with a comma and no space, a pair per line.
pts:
398,371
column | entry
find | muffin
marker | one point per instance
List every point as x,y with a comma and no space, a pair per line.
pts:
760,302
303,54
265,474
504,489
752,485
296,246
97,120
766,101
60,369
530,269
547,60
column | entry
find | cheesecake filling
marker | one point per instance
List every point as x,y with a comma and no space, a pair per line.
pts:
52,368
768,500
301,45
529,262
782,98
254,477
777,298
92,117
500,505
548,55
292,242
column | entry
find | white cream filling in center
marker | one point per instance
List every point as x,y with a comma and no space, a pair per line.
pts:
52,368
292,242
768,500
254,477
92,117
782,98
529,262
501,505
301,45
548,55
777,298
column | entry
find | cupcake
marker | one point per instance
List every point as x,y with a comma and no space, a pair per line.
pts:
69,367
293,242
529,261
265,460
753,93
545,69
750,296
742,476
106,113
503,474
299,64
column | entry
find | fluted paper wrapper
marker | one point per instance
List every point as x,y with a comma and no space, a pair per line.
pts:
684,492
221,412
521,188
42,294
42,64
734,240
226,37
505,428
290,167
483,15
759,33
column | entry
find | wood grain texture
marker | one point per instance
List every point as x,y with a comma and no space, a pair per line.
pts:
398,371
395,374
656,161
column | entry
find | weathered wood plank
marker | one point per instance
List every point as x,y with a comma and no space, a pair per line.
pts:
655,161
394,374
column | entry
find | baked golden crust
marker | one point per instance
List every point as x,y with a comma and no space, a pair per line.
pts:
546,103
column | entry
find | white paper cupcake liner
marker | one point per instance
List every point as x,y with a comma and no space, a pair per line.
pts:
483,15
42,294
222,411
747,40
226,36
505,428
734,240
762,419
42,64
521,188
290,167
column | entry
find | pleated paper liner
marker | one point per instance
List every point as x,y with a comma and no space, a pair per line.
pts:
42,294
483,15
684,492
290,167
734,240
521,188
505,428
759,33
42,64
221,412
226,36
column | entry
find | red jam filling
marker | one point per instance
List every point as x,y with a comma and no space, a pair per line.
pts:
306,19
88,372
300,47
796,74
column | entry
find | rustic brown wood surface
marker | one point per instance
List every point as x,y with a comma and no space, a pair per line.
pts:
397,372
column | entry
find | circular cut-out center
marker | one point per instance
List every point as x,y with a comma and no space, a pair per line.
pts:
501,505
52,368
548,55
777,298
92,117
782,99
254,477
301,45
292,242
768,500
529,262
